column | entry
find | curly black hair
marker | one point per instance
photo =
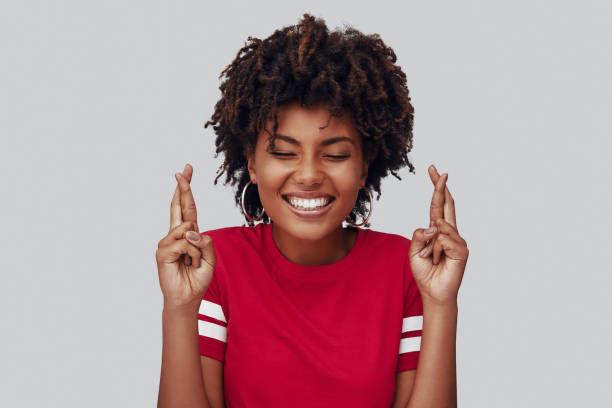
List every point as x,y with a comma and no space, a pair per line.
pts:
307,63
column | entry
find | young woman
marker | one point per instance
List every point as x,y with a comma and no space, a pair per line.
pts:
299,310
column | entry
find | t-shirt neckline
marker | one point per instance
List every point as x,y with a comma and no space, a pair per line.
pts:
312,272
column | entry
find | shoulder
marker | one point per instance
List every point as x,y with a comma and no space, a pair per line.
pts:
387,241
223,232
390,253
235,247
234,236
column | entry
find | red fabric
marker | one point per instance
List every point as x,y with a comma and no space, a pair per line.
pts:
308,336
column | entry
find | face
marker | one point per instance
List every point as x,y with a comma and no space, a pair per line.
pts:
308,184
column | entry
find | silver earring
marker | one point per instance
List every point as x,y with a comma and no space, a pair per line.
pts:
244,211
369,212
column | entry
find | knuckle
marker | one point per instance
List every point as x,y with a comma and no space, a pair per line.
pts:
158,255
164,241
420,235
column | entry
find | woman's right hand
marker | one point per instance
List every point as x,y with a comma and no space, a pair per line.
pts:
185,267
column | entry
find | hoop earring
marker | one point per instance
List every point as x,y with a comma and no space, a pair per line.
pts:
244,211
369,212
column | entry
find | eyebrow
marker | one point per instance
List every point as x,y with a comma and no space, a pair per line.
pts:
325,142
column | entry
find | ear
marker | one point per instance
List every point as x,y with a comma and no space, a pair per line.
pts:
364,173
250,156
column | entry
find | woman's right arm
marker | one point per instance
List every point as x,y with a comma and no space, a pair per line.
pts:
186,263
181,383
187,378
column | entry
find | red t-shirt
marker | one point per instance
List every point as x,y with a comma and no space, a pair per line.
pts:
307,336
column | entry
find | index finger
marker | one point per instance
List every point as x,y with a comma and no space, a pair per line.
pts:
176,218
449,208
188,208
436,210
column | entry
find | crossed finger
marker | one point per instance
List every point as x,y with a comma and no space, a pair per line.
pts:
176,212
188,207
436,209
182,207
446,210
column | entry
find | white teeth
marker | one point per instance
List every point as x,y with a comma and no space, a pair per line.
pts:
308,204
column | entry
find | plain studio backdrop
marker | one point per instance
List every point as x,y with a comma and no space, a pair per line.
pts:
102,102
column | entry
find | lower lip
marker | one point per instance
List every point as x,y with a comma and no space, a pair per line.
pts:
310,213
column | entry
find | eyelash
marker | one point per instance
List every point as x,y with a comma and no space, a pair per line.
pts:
334,157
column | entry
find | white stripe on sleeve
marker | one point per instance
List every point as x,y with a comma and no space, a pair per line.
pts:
213,310
212,330
412,323
409,344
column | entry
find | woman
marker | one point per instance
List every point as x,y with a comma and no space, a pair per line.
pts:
299,310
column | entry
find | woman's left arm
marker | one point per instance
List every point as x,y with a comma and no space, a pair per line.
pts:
438,257
436,372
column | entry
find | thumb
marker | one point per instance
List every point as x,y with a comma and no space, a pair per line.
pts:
205,244
420,238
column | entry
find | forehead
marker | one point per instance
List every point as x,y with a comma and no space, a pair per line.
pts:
311,124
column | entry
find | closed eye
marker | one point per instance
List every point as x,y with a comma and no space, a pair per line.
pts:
333,157
282,154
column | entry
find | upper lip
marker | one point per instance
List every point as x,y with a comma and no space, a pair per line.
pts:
308,194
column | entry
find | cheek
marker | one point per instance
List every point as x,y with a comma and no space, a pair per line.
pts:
346,177
270,178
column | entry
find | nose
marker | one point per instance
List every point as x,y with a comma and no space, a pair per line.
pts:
308,172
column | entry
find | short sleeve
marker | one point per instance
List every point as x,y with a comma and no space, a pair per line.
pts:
412,323
212,322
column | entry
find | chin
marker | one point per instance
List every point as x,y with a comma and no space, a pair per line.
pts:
307,231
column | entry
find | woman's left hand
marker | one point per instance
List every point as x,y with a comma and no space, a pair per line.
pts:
438,259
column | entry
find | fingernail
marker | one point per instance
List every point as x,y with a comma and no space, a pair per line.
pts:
430,231
423,251
193,236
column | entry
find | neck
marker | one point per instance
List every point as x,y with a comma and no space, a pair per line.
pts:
330,249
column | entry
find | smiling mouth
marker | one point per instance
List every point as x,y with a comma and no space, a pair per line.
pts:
303,204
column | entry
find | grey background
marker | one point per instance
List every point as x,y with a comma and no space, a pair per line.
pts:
102,102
